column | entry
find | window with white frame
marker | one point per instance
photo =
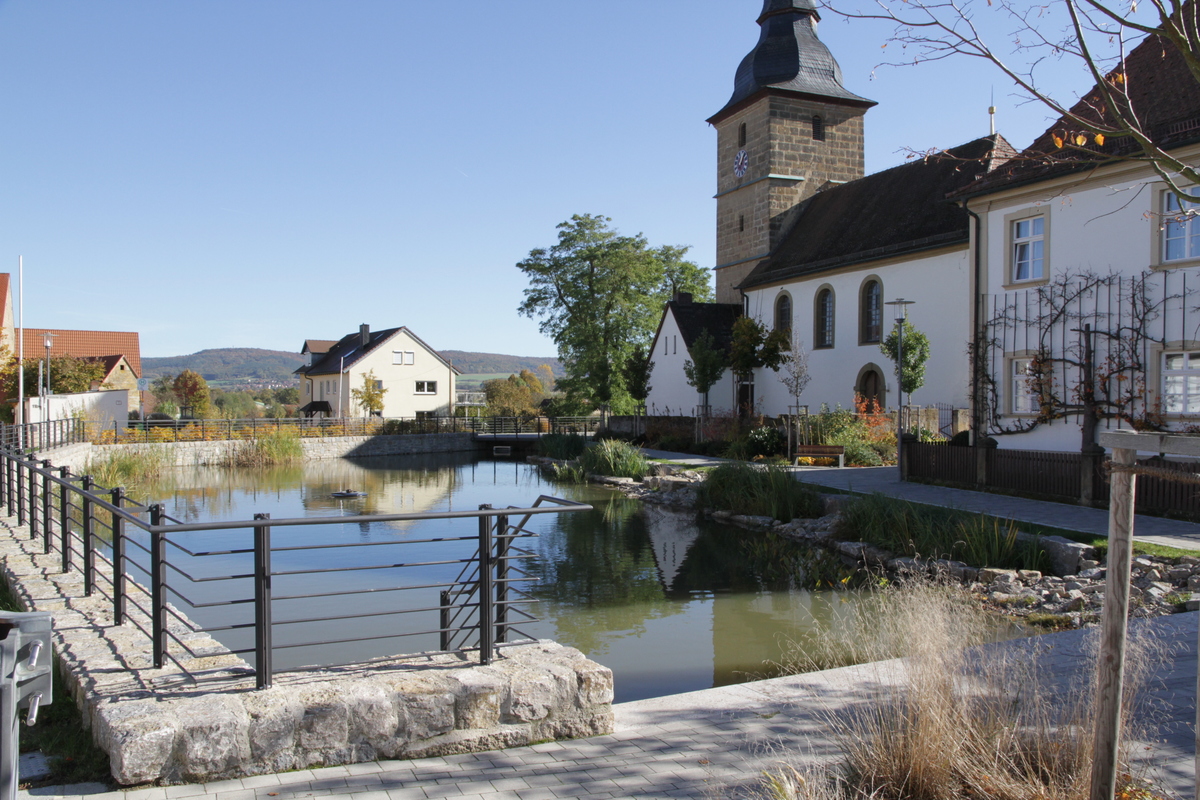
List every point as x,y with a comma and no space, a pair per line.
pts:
1181,382
1181,231
1028,242
403,357
1024,392
823,319
426,387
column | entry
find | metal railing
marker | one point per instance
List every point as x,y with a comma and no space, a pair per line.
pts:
43,435
143,562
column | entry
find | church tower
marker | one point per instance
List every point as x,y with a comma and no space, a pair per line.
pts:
789,129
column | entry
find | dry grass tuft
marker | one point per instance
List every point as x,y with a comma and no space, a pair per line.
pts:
961,721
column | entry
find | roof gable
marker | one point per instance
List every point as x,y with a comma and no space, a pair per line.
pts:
695,318
900,210
348,350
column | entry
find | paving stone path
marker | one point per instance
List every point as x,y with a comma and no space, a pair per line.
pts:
708,744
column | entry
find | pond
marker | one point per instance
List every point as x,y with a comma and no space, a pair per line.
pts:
671,603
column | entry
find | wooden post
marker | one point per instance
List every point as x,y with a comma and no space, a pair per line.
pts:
1110,671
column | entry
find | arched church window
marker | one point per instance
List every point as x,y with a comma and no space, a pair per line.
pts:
818,128
823,319
783,314
870,313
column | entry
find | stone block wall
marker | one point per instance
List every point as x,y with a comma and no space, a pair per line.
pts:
186,454
200,718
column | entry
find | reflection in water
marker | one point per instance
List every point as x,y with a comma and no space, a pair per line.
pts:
670,602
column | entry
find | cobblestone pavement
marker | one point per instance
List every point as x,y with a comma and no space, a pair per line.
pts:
709,744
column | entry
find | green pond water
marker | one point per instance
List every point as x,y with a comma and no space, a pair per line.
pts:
671,603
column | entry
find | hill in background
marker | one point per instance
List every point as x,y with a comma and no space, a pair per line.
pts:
251,364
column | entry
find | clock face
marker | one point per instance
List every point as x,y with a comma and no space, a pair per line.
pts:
741,162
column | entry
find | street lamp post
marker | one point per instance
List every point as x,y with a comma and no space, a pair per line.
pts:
901,315
49,342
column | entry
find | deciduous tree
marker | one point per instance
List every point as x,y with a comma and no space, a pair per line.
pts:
795,375
192,390
915,353
754,347
706,366
598,294
370,397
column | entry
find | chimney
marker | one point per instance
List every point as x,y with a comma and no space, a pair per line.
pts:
364,333
683,298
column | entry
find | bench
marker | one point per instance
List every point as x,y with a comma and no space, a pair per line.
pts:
821,451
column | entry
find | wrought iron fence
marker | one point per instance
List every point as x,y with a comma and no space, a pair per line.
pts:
144,562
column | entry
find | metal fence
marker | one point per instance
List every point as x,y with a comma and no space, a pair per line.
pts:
203,430
43,435
144,563
1053,474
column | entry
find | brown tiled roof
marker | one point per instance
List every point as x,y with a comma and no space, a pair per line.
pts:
86,344
1164,95
900,210
317,346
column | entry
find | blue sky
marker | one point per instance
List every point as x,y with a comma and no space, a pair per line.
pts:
254,173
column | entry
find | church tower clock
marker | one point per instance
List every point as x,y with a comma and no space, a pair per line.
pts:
789,129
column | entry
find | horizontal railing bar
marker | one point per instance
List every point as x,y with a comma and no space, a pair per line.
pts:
360,591
180,595
241,552
374,544
131,541
218,603
376,566
357,616
357,639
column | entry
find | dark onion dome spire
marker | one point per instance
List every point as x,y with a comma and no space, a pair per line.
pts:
789,57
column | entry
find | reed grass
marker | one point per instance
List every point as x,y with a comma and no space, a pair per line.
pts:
917,530
273,448
758,491
562,446
614,458
956,721
133,470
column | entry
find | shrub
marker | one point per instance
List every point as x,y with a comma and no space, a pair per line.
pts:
758,491
563,446
914,530
614,457
766,441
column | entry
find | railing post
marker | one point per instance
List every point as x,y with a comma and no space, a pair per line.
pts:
485,588
8,479
118,558
502,540
444,626
89,555
46,505
4,451
263,669
158,587
64,518
20,490
33,500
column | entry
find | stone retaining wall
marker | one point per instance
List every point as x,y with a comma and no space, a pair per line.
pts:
202,719
187,454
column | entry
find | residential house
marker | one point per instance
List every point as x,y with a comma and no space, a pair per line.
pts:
416,381
1089,273
118,351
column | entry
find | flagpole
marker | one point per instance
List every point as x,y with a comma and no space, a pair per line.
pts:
20,352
